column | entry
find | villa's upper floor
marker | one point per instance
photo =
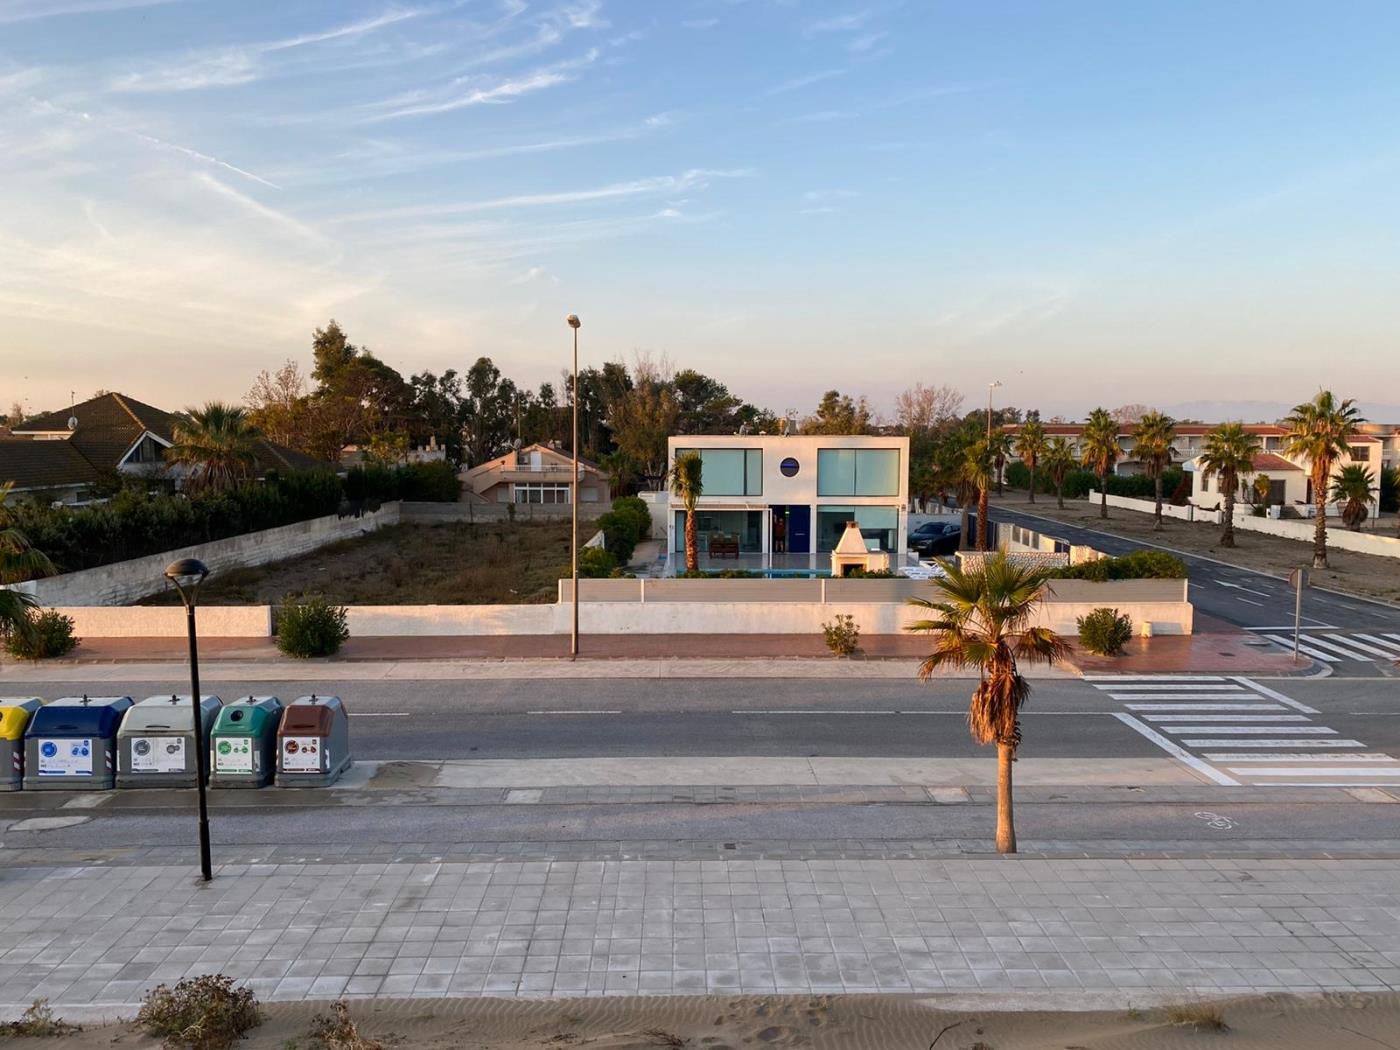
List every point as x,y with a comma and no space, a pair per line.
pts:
799,469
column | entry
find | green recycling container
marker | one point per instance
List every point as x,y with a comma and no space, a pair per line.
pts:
243,743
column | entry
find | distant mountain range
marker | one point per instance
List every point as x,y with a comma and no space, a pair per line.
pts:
1266,411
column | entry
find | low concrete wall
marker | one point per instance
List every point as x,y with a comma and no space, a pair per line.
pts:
168,621
440,620
1187,512
128,581
443,513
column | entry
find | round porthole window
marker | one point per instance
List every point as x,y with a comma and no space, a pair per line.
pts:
789,467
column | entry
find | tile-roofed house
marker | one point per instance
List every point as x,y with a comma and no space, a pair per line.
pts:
534,474
110,433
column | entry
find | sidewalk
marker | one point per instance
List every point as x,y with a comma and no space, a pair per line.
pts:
1089,932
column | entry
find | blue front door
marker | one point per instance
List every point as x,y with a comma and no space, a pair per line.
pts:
799,529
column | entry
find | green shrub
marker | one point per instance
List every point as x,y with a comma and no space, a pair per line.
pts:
635,508
1139,565
595,563
620,534
50,634
203,1013
1104,632
858,572
1390,489
416,482
311,627
719,574
842,635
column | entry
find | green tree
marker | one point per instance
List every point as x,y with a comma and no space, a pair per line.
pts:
981,618
839,413
217,444
1153,435
488,412
1059,461
1319,431
1228,451
1352,487
1101,451
1032,447
641,421
977,471
1000,447
19,561
687,485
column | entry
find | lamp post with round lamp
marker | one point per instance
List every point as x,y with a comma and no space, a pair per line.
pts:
187,575
573,499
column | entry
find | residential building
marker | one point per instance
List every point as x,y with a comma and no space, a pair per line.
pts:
536,474
783,500
66,456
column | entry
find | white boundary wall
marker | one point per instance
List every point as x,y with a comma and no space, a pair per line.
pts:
1378,543
129,581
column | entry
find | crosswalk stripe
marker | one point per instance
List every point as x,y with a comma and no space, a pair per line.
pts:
1179,696
1298,756
1178,687
1155,677
1395,636
1302,730
1317,654
1272,719
1334,642
1204,707
1227,742
1388,646
1297,771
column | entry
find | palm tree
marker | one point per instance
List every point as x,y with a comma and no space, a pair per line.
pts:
977,473
1229,450
1152,444
982,619
1000,443
1101,451
217,443
19,561
686,486
1352,487
1318,431
1031,447
1059,461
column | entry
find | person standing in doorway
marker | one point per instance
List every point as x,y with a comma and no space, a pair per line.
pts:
779,534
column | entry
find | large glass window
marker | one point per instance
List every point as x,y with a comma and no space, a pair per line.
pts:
730,471
878,525
858,472
745,525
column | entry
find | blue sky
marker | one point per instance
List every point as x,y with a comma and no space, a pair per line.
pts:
1091,201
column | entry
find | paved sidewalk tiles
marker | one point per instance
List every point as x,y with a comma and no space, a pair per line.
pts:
102,936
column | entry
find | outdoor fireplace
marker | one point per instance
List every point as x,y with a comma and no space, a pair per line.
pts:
852,552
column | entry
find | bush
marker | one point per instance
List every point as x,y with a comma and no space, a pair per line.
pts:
842,635
719,574
1104,632
417,482
595,563
50,635
203,1013
336,1031
311,627
38,1022
620,534
635,508
858,572
1139,565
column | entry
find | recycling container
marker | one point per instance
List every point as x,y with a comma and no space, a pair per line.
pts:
313,742
156,745
15,713
72,743
243,744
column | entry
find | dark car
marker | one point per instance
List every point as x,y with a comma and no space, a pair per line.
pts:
935,537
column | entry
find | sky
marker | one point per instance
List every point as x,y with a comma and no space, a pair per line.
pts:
1091,201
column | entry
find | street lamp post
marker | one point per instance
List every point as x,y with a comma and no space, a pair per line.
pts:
990,387
187,575
573,499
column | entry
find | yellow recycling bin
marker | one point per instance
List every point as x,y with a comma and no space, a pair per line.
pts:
15,713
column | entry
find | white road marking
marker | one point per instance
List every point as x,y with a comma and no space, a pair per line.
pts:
1295,771
1308,730
381,714
1274,694
1173,678
1178,696
1387,648
1280,756
1248,601
1242,587
1204,707
1304,647
1333,643
1313,625
1228,718
1272,743
572,712
1217,686
1204,768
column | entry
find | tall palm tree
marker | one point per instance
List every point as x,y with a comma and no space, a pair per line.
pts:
686,486
1319,431
217,443
19,561
1152,444
1000,444
1228,451
1031,446
1101,451
982,618
1059,461
977,471
1352,488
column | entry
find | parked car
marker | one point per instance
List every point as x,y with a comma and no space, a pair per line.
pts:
935,538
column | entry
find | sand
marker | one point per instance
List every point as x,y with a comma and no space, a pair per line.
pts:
1356,1021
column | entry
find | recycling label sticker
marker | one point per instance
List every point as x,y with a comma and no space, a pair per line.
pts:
158,754
234,755
301,754
69,757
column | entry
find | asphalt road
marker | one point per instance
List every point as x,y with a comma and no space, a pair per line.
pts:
1237,595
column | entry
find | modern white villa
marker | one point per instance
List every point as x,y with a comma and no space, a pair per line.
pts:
782,502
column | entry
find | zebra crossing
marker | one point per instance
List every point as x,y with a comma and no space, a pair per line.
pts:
1234,731
1336,647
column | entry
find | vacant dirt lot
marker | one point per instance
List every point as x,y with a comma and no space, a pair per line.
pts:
493,563
1364,574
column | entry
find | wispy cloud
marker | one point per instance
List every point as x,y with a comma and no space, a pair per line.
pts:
259,210
33,10
500,92
847,23
699,23
797,83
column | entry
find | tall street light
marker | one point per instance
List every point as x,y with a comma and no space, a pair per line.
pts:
573,499
990,387
187,575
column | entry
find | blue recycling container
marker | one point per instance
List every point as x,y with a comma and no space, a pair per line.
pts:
72,743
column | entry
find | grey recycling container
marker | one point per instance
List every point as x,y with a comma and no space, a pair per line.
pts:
15,713
313,742
156,744
72,743
243,744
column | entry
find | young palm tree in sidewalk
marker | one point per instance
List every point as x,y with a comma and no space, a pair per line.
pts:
1229,453
686,486
1320,431
981,618
1152,445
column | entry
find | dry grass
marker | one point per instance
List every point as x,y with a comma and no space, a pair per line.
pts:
1202,1016
1367,575
337,1031
483,563
38,1022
